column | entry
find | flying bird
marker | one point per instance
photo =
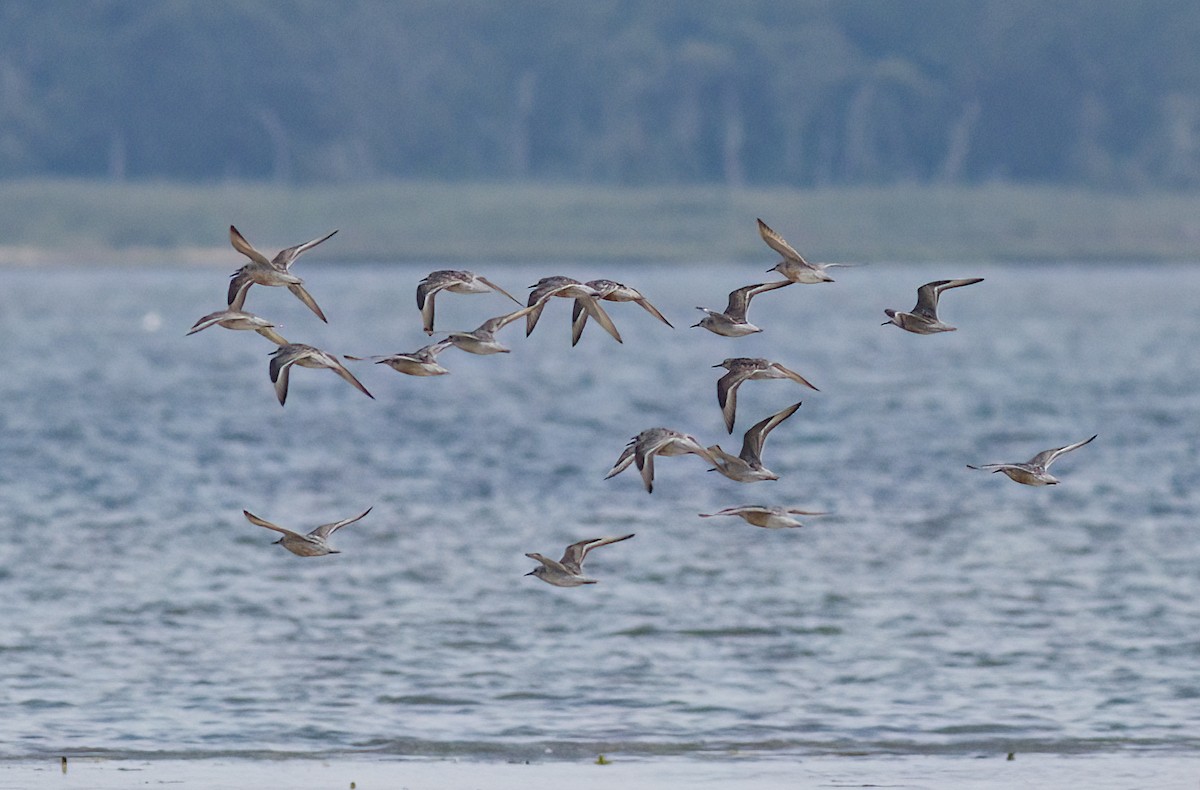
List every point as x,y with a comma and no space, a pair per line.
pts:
273,272
455,281
284,357
584,295
239,319
923,320
568,572
483,340
609,291
793,266
314,544
657,441
748,369
747,466
732,322
422,362
766,517
1034,471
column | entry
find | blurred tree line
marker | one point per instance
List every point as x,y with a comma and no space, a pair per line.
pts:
1102,93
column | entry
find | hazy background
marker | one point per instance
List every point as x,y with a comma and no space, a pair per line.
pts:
843,100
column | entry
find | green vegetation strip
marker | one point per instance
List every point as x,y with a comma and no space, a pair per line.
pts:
54,221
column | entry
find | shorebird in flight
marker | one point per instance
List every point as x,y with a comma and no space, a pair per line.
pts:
609,291
284,357
748,369
732,322
314,544
793,266
766,517
747,466
657,441
231,318
1034,471
273,272
568,572
453,280
422,362
585,296
923,320
483,340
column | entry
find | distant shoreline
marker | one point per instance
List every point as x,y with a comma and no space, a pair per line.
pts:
55,222
1111,771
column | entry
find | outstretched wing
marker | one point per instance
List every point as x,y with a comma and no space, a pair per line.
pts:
1047,457
305,297
325,530
727,387
246,248
495,287
284,258
253,519
340,369
756,437
777,243
574,555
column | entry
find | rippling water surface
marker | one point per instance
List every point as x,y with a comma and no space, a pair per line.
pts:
937,609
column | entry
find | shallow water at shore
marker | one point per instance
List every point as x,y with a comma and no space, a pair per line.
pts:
937,611
1096,772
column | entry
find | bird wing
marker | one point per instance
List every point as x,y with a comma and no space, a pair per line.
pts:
592,306
239,285
246,248
495,287
927,298
426,290
645,464
778,243
253,519
739,301
305,297
729,511
756,437
340,369
325,530
794,376
652,310
727,387
1047,457
551,564
996,467
501,321
284,258
270,334
574,555
927,294
623,462
208,320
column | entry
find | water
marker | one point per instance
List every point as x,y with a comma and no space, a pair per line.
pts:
938,610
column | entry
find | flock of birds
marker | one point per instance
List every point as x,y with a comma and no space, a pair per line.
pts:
745,467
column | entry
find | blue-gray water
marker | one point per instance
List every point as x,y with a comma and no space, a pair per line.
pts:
937,610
